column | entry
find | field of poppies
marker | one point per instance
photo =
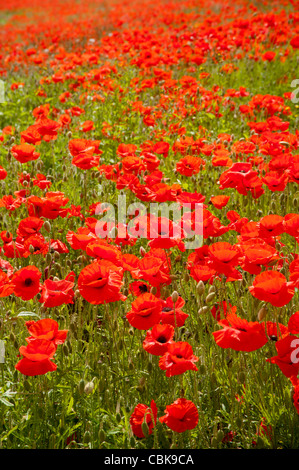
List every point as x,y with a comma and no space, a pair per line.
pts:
116,331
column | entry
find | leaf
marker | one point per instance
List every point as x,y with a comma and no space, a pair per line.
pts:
70,406
6,402
28,314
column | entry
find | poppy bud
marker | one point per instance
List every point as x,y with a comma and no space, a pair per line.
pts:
142,251
154,290
174,296
210,297
47,226
31,249
262,314
69,134
200,288
88,388
86,437
102,436
220,435
203,310
145,429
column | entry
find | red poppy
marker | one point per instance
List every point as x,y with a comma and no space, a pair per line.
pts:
56,293
293,324
224,257
178,359
272,287
3,173
189,165
181,415
172,313
239,334
286,359
29,226
158,338
219,201
46,329
26,282
143,414
145,312
100,282
6,287
32,368
24,153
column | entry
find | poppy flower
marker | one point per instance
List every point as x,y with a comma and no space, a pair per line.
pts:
178,359
29,226
46,329
143,414
80,239
32,368
286,358
158,338
224,257
50,207
257,253
26,282
272,287
35,245
189,165
145,312
293,323
239,334
3,173
101,249
172,313
56,293
6,288
138,288
270,226
100,282
24,153
219,201
181,415
153,270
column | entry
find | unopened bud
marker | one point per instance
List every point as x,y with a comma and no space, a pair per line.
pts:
202,310
174,296
142,251
262,314
200,288
210,297
145,429
102,436
88,389
47,226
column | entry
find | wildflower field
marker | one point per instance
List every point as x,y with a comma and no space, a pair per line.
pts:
121,326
